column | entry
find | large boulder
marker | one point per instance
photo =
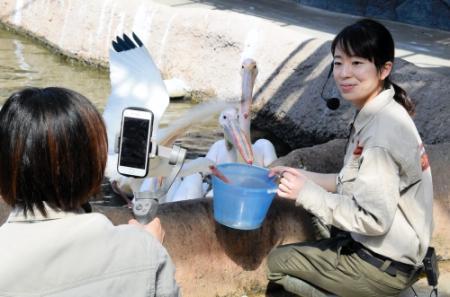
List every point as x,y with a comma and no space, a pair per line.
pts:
295,114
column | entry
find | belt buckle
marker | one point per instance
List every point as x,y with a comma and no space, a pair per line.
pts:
394,267
389,267
383,265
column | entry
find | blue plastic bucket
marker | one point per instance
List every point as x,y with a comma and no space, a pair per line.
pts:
243,203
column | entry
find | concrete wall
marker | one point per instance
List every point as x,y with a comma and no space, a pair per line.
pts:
428,13
204,47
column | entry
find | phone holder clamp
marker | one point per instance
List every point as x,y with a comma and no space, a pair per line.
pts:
146,203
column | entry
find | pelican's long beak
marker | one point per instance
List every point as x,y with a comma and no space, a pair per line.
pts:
249,72
241,141
248,82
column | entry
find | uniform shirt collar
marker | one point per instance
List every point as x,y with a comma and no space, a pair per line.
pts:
372,107
17,215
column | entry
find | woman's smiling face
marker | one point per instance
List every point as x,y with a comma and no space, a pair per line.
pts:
358,79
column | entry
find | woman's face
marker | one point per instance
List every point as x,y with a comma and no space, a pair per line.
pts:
357,78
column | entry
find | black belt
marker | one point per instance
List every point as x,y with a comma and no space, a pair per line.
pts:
379,260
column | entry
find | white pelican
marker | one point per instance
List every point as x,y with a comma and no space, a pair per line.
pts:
136,82
236,147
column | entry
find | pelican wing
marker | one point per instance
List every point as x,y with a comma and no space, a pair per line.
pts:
135,82
160,167
197,114
200,164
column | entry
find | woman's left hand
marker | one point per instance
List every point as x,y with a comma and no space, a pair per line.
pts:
154,228
291,181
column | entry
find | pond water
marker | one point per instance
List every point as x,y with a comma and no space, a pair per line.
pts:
25,63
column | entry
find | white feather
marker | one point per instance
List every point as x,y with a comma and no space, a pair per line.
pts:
135,82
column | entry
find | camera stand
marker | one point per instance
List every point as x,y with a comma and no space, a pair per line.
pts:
146,203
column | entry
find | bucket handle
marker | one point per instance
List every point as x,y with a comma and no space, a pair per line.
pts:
272,191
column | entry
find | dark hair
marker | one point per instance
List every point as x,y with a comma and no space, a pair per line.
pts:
371,40
53,149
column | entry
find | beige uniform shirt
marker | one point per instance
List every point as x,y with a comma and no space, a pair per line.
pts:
69,254
384,191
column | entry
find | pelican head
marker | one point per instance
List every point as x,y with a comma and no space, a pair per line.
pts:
249,71
234,136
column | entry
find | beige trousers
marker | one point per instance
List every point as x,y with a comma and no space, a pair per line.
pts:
311,269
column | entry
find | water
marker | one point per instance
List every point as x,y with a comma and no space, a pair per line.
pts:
24,63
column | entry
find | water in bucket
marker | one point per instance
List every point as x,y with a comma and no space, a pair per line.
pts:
243,203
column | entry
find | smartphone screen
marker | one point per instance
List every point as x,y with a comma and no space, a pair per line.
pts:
135,143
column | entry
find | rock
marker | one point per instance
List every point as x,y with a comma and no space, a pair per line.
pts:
296,114
323,158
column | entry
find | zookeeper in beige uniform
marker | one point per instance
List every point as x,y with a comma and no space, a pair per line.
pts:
382,198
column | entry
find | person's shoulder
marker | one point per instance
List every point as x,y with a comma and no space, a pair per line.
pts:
140,238
126,234
142,245
101,225
128,241
92,221
394,131
393,126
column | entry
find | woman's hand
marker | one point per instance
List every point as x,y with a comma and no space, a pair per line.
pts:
154,228
291,181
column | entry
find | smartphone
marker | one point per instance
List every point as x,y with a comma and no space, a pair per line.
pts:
135,142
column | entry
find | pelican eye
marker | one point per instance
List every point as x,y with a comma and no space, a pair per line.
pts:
224,117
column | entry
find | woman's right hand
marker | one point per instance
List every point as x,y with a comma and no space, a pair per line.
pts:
154,228
291,181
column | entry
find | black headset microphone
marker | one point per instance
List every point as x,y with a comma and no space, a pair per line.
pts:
333,102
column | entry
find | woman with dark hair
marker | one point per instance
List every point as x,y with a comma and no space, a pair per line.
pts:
53,151
382,198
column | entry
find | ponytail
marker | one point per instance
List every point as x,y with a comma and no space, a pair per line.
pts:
402,97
